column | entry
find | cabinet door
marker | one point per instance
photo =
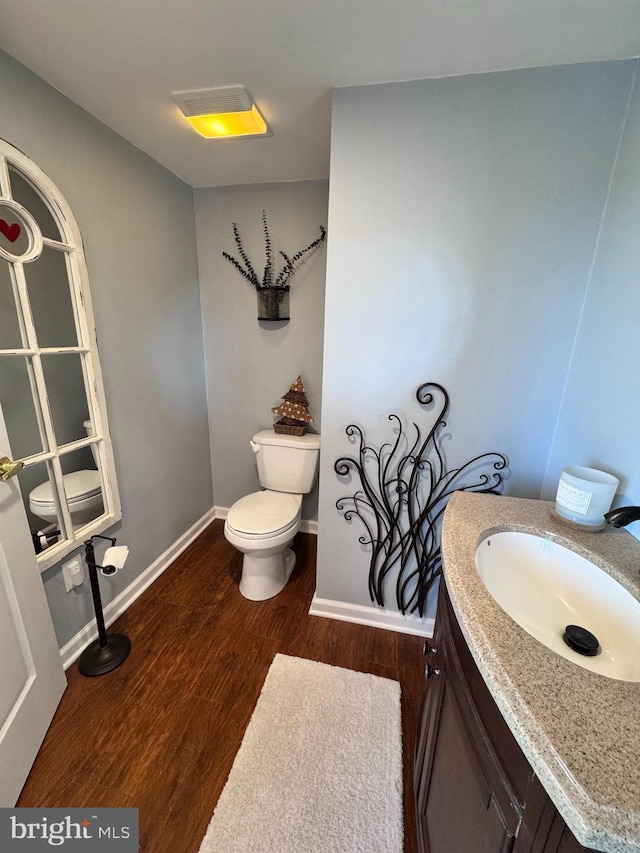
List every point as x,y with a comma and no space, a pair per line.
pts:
475,790
428,722
457,810
427,719
464,802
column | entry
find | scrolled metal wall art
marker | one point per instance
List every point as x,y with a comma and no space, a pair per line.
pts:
402,499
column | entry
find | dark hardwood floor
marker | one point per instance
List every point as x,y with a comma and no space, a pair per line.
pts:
160,732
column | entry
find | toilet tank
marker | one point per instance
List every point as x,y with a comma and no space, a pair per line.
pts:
88,428
286,463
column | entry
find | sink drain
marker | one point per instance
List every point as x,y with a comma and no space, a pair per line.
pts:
581,640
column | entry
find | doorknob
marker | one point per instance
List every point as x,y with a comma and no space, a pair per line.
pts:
8,468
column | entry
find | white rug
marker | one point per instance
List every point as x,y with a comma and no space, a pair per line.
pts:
319,769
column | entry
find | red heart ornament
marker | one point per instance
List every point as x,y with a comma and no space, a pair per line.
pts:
11,232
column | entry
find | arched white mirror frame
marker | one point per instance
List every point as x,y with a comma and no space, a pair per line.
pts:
87,349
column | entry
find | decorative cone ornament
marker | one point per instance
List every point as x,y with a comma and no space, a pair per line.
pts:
294,411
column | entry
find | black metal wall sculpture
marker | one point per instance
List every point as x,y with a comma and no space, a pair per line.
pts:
402,499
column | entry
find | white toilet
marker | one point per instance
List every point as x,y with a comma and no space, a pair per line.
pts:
83,490
262,525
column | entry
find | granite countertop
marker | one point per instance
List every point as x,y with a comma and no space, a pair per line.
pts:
579,730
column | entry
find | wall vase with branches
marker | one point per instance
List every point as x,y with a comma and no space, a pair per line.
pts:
404,491
273,288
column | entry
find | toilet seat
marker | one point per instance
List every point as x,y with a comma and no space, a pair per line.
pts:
264,514
78,486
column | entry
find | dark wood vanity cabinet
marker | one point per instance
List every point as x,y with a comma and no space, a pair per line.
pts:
475,791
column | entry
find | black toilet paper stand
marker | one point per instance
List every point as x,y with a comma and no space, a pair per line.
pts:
109,650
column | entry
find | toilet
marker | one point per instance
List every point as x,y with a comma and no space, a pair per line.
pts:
262,525
82,488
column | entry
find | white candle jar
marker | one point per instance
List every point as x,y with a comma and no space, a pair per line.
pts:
584,496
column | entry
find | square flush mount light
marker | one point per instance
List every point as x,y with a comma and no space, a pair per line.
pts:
226,112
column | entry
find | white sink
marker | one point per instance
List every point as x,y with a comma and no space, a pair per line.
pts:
544,587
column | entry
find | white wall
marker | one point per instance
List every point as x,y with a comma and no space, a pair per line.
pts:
598,422
251,364
463,216
137,222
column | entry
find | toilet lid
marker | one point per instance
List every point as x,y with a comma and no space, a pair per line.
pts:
264,512
78,485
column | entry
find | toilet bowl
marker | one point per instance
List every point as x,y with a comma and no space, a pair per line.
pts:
82,488
84,498
263,524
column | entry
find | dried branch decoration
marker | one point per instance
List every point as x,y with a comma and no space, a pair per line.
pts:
291,263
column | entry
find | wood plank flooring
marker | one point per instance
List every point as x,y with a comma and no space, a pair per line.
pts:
160,733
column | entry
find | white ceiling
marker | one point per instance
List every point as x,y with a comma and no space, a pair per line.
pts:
121,60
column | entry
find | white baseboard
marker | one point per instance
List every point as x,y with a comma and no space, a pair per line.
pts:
72,650
375,617
306,525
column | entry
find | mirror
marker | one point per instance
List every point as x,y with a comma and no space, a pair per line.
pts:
10,336
31,200
43,509
50,383
22,413
67,397
50,297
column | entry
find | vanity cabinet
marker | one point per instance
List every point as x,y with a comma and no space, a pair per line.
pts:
475,790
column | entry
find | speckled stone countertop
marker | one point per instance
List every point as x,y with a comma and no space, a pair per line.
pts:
579,730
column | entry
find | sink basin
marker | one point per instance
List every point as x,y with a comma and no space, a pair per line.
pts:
545,587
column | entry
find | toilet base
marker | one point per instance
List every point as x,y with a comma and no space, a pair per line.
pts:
264,577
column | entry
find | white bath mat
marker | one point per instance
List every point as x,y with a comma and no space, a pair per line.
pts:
319,769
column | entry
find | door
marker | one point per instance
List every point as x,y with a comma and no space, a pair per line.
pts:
32,678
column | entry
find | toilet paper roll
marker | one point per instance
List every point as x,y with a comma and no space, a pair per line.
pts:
116,556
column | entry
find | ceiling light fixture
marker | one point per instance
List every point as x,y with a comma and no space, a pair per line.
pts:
226,112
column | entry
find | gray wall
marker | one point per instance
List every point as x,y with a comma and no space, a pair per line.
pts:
259,359
462,231
137,222
600,413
